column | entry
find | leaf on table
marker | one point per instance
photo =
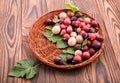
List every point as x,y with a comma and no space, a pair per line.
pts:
62,44
72,7
26,62
24,68
30,72
69,50
49,27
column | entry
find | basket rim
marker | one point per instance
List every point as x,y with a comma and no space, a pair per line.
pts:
91,59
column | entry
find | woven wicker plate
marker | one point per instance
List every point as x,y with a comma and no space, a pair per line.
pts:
46,51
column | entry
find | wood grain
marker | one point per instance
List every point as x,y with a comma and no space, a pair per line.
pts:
16,19
10,37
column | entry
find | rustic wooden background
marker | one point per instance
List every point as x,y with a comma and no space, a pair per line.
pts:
16,19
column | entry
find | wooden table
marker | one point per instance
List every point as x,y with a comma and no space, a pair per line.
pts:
16,19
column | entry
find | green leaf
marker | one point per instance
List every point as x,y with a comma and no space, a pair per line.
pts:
55,20
84,16
62,44
56,38
69,50
24,68
48,34
17,71
30,72
72,7
63,56
51,37
84,42
26,62
49,27
66,11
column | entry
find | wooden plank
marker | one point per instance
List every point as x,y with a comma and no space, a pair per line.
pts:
112,16
31,10
10,38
